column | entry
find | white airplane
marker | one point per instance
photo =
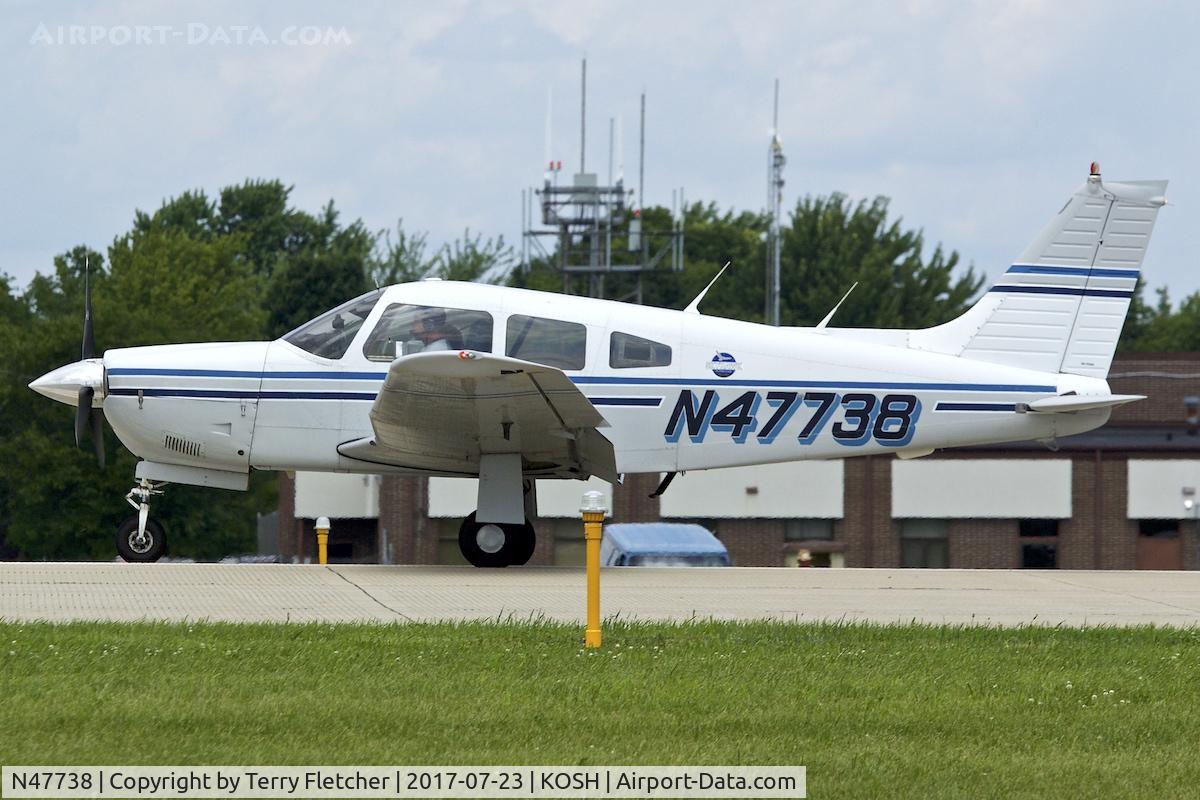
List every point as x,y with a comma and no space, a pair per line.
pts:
461,379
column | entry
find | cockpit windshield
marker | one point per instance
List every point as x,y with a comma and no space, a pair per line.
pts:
330,334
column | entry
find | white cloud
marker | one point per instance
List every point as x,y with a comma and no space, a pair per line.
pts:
976,118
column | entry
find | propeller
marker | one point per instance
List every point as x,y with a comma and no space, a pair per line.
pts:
86,416
89,338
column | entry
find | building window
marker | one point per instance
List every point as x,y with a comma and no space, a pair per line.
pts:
1039,547
1038,527
924,543
1039,555
626,350
547,341
797,530
1159,528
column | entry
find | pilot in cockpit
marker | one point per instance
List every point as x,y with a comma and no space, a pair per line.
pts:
430,328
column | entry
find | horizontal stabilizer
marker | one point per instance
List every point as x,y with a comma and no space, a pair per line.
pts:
1081,402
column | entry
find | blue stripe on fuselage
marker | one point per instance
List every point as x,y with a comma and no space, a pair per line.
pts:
626,401
579,380
234,373
933,387
229,394
975,407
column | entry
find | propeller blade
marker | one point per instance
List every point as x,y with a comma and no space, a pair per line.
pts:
89,341
98,436
83,410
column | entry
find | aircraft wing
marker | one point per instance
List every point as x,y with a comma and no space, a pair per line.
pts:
438,412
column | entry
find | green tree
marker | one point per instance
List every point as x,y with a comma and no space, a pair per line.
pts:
332,267
166,287
38,463
829,244
257,211
191,214
473,258
161,286
405,257
401,259
1161,328
308,263
711,240
832,243
247,266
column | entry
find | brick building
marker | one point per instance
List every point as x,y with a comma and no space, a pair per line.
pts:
1120,497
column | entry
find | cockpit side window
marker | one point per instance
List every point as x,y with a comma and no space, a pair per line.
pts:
406,329
330,335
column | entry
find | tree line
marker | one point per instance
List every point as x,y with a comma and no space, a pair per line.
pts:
247,264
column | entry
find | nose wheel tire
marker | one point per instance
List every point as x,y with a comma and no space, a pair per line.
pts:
491,544
150,546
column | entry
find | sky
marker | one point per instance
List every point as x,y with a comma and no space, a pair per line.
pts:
978,120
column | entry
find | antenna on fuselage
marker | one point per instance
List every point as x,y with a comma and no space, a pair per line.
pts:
694,306
825,322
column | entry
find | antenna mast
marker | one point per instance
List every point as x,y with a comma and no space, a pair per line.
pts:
642,156
548,155
775,162
583,118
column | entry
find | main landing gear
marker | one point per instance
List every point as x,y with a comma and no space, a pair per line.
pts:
499,533
140,538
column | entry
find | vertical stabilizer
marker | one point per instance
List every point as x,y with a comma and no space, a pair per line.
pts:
1061,306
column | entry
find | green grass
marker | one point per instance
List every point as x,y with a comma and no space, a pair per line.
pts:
872,711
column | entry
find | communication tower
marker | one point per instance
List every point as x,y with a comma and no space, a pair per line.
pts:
586,229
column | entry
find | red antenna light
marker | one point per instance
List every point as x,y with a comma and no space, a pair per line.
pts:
1095,169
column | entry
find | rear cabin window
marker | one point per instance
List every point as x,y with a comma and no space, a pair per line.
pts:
406,329
626,350
547,341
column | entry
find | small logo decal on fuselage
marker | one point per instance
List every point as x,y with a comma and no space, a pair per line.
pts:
723,365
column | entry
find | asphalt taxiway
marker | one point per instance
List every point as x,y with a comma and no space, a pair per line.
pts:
368,593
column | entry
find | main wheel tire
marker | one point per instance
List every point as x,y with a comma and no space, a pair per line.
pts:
524,544
151,549
491,544
484,545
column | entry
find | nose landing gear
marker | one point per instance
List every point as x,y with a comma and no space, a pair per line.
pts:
139,538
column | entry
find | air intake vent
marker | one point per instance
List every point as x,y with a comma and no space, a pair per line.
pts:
182,445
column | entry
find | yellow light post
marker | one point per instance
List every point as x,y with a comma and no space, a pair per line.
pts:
593,510
322,540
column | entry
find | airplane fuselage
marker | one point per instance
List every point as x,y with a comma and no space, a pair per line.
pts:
731,393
